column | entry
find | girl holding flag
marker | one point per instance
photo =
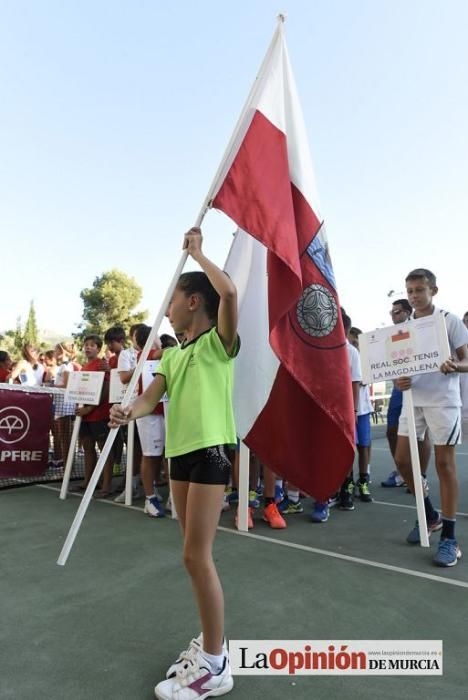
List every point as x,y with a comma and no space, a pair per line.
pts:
198,378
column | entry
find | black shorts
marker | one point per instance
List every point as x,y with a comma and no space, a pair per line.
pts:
210,465
97,429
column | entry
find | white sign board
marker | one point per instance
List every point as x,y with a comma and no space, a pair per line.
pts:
117,388
418,346
84,387
149,368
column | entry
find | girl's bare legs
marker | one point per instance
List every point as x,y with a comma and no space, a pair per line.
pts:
198,508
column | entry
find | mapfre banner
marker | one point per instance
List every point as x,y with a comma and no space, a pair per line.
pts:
25,421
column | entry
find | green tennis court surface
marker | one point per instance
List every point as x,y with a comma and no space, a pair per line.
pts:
107,625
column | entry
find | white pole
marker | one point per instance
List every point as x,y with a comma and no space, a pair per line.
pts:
243,507
129,469
173,508
70,458
174,515
416,467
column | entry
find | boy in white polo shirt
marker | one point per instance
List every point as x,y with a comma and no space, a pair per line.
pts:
436,399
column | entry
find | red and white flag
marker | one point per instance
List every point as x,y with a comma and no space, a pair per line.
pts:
293,399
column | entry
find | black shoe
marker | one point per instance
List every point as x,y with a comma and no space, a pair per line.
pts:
346,496
364,493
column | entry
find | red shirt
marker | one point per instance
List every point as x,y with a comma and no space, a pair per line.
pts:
100,412
4,374
159,410
113,360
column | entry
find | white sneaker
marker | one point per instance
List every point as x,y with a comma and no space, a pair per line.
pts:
136,493
194,647
120,498
195,681
154,508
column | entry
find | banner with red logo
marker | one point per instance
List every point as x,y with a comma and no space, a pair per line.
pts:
25,421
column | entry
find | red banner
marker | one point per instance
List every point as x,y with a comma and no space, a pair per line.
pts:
25,421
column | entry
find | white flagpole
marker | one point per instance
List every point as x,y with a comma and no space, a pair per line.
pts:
220,174
129,469
70,458
243,506
416,467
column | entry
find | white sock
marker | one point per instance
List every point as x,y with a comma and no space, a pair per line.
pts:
215,662
279,482
293,495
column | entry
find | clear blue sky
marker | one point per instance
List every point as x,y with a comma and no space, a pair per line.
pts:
114,116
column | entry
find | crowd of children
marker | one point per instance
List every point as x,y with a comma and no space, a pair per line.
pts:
440,393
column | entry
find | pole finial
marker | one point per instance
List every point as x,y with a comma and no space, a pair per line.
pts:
282,17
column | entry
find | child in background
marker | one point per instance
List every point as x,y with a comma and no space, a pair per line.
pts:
5,367
152,434
436,399
94,427
126,363
363,429
115,338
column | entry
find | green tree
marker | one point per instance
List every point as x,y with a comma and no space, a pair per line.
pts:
18,336
30,333
110,302
7,342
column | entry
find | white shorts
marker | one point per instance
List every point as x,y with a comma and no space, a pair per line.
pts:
152,432
443,422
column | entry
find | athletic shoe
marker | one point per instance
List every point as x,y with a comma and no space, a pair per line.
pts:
448,552
192,649
364,493
433,525
279,493
225,504
273,517
393,480
154,508
288,507
254,501
195,646
320,512
196,681
425,486
136,493
232,495
249,519
334,500
346,496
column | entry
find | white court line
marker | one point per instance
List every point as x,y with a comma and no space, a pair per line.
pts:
347,557
385,449
304,548
405,505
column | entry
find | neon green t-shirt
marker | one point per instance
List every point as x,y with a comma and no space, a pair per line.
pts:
199,380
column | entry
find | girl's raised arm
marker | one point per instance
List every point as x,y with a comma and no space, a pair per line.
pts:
227,312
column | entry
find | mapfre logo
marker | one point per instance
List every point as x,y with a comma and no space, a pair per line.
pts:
14,424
